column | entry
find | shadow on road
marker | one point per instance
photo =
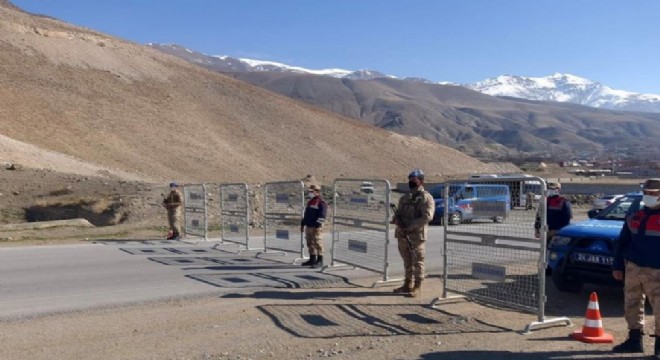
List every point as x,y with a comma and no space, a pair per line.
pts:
610,301
345,320
309,295
124,242
522,290
509,355
294,280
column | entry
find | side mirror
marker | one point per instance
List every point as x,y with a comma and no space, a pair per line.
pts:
592,213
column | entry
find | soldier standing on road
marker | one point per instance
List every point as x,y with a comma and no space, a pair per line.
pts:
637,264
414,212
312,225
173,202
558,210
529,201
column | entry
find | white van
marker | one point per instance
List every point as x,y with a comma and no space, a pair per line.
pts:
367,187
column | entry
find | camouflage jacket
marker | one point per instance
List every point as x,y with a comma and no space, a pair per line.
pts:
414,212
173,200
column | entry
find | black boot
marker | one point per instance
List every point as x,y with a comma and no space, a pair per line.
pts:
634,343
656,351
405,288
310,262
318,263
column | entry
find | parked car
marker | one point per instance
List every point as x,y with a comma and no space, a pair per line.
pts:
367,187
468,202
605,201
583,252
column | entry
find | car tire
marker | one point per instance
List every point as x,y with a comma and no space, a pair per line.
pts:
455,218
566,283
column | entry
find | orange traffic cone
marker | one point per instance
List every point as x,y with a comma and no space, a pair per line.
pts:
592,331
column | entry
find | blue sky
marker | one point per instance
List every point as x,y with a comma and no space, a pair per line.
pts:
613,42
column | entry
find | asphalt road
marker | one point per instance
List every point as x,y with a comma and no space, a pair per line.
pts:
54,279
48,279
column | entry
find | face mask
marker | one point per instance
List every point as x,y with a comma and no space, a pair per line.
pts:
553,192
412,185
650,201
311,195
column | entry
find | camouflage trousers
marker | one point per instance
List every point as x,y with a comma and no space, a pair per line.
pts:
640,282
529,204
174,220
314,240
413,259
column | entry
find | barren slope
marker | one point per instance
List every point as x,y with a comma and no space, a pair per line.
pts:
28,155
120,105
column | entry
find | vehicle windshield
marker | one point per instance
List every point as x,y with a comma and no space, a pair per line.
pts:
532,186
438,191
619,209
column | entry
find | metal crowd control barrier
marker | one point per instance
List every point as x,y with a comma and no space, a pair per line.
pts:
284,205
195,210
361,224
235,215
490,250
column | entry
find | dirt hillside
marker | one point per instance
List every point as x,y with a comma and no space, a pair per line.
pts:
105,102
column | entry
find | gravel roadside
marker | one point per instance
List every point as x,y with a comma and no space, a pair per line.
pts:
340,323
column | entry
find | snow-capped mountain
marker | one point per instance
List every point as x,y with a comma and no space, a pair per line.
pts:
261,65
556,87
231,64
567,88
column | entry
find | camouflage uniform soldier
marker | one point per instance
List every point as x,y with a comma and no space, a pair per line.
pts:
172,203
529,201
414,212
312,224
637,252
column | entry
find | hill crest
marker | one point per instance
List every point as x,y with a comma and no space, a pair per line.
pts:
118,105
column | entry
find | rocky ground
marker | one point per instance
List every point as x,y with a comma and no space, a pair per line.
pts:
36,194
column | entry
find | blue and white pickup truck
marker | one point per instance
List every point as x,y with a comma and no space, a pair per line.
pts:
583,252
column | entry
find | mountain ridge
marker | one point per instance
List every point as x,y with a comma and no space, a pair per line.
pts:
479,124
463,119
556,87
